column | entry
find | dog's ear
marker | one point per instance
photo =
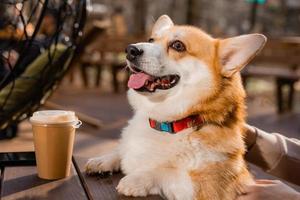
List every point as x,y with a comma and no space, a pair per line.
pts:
164,22
234,53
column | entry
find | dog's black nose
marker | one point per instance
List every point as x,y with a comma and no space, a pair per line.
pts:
133,52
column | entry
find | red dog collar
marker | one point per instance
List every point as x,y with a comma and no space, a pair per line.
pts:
176,126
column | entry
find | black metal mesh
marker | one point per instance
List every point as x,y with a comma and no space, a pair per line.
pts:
29,29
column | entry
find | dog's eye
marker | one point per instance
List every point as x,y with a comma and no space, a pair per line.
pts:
151,40
178,46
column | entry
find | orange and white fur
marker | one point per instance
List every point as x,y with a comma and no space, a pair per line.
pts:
204,163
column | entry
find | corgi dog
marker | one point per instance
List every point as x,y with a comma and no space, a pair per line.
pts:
185,140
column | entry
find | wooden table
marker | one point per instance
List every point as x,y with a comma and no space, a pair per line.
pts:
22,183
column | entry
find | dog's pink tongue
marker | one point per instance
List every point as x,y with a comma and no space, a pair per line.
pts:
138,80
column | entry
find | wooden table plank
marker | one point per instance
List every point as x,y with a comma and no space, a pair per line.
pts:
104,188
23,183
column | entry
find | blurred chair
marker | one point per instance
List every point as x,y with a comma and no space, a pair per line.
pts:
279,59
115,46
83,59
107,49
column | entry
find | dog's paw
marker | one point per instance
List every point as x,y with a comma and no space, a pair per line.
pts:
136,185
178,191
105,163
178,194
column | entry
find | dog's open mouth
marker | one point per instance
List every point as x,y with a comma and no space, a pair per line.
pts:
143,82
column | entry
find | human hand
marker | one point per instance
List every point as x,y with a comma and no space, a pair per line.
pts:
269,190
250,136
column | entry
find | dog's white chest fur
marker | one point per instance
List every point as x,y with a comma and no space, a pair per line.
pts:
143,148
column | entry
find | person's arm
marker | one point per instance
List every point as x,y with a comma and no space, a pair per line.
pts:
274,153
268,190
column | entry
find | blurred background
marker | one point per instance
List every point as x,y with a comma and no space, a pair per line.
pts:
89,74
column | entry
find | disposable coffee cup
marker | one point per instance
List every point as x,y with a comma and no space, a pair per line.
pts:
53,134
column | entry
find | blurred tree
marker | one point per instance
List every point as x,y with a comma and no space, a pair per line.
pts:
178,11
192,12
139,16
220,18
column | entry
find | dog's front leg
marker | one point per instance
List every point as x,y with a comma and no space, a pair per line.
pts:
168,182
106,163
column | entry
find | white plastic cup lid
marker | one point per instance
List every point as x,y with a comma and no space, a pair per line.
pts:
53,117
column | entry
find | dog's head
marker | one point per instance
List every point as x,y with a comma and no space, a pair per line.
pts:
181,66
